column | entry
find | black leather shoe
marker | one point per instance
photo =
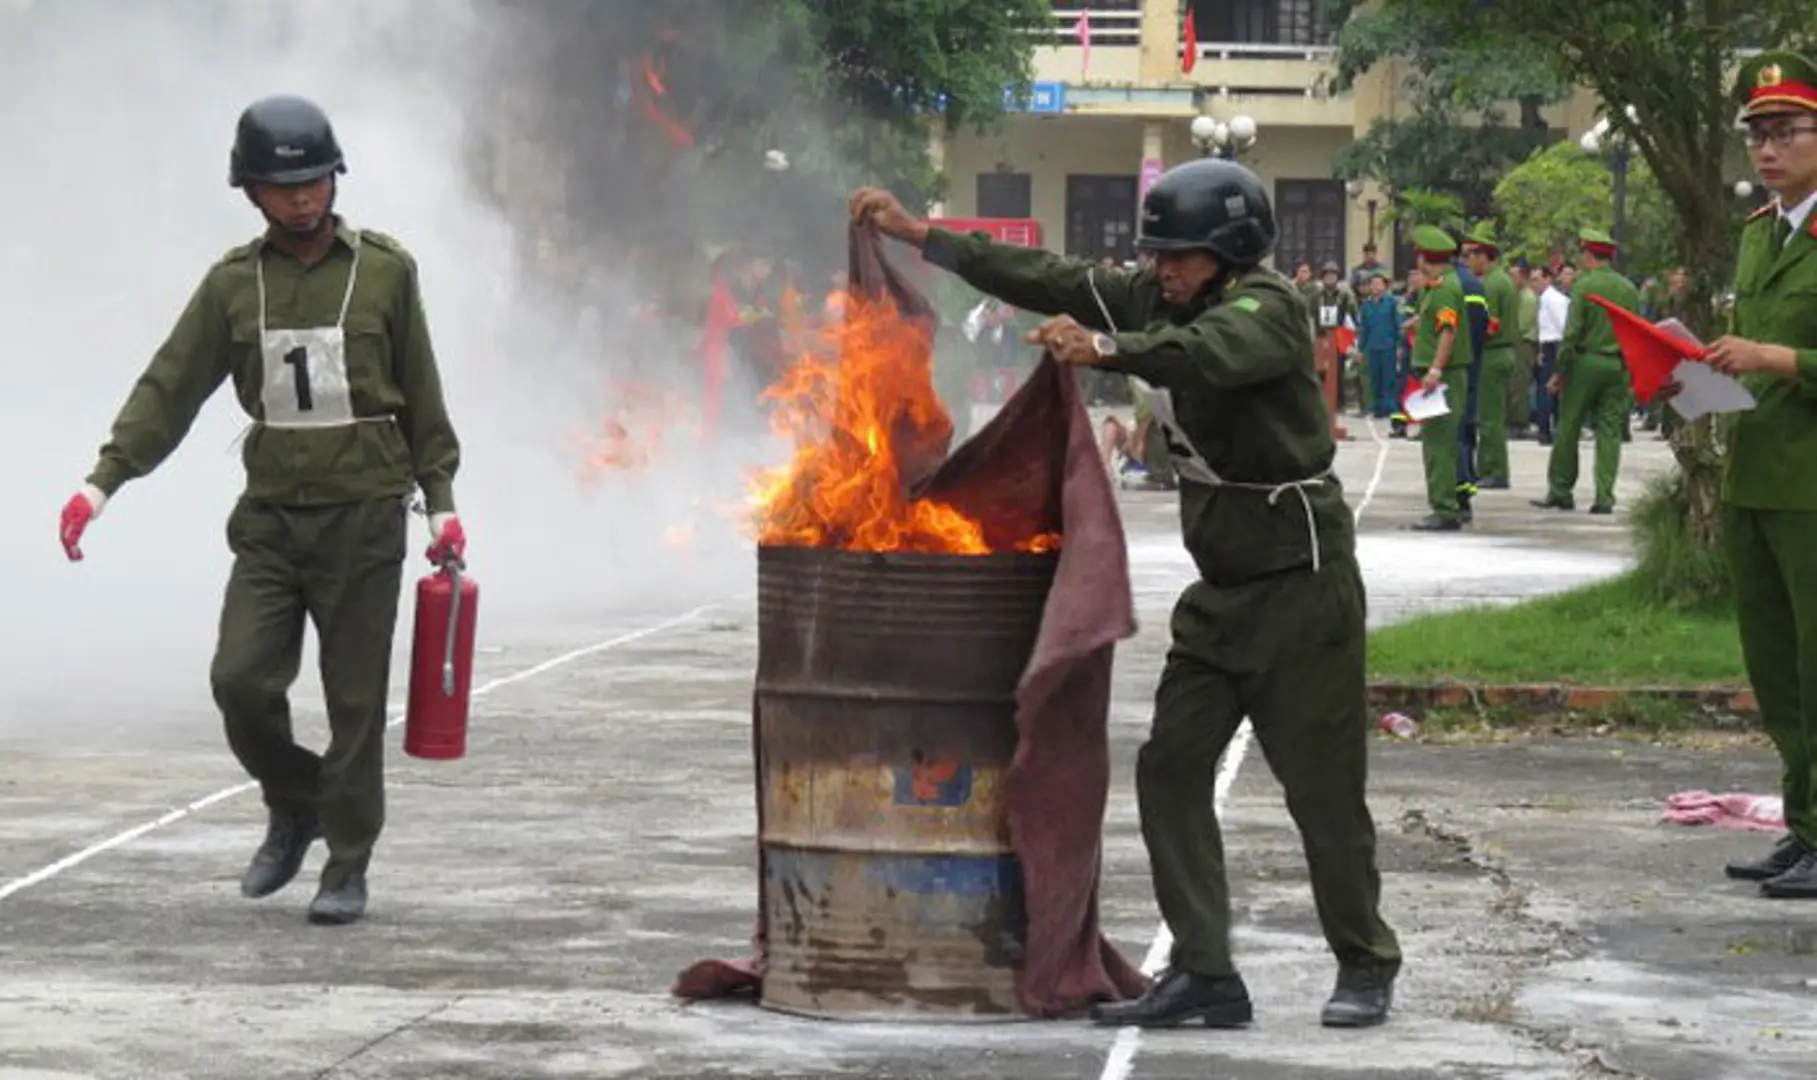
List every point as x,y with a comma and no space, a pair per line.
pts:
1437,523
287,840
1492,484
340,904
1354,1007
1798,883
1549,503
1181,997
1602,508
1784,856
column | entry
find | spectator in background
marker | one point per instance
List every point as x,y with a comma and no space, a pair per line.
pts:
1368,268
1554,308
1379,341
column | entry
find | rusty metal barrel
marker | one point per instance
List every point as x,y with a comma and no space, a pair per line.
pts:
886,720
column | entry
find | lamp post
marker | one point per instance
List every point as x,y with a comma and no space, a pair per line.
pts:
1225,139
1621,152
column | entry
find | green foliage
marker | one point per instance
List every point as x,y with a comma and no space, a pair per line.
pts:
1414,207
1676,569
1459,76
1545,200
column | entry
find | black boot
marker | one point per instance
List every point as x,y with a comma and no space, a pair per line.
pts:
1437,523
1798,883
1357,1006
1784,856
1181,997
287,840
1549,503
341,903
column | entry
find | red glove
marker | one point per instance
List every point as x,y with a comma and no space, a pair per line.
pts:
83,507
450,541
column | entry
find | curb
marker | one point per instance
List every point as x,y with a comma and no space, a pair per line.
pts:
1552,698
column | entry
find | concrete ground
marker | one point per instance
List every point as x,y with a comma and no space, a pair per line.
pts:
533,902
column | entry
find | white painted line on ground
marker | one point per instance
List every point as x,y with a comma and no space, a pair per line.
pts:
37,877
1120,1063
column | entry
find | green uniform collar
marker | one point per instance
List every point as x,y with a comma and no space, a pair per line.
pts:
344,234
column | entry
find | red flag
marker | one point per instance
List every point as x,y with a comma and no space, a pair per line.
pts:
1651,352
722,316
1189,57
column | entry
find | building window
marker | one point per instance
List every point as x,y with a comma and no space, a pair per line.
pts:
1005,195
1262,22
1311,216
1101,216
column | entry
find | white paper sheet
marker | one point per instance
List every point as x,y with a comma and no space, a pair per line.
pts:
1425,406
1704,390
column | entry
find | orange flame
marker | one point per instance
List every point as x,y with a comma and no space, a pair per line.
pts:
860,405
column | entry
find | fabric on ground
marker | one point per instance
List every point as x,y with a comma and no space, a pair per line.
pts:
1760,813
1034,468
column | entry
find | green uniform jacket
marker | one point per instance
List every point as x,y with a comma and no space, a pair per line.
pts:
1772,448
1528,320
1240,373
391,373
1441,307
1587,327
1501,294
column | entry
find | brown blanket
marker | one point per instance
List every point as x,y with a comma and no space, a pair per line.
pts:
1033,468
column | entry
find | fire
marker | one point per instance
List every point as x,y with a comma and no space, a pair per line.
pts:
859,406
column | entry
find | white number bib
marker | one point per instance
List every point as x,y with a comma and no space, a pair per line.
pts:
304,382
1328,315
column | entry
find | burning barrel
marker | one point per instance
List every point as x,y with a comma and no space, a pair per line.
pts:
886,703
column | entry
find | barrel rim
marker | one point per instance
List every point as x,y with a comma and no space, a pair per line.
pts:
994,560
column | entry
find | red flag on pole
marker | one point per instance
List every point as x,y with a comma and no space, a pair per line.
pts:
1082,31
1651,352
1189,56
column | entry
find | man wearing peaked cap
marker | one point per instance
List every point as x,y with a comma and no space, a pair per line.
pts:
1501,296
1438,361
1592,379
1769,490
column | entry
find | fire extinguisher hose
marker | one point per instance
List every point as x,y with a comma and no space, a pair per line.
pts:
453,570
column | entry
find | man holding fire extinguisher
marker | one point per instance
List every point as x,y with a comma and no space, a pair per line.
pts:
320,325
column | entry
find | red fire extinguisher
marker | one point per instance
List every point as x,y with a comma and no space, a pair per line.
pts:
441,664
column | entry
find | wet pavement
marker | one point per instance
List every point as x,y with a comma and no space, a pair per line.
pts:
533,902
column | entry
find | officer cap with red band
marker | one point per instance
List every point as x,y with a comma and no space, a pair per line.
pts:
1434,244
1778,81
1596,242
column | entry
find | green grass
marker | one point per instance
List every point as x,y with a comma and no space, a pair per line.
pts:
1609,634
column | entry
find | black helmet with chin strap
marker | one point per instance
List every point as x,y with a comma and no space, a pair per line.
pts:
283,140
1209,205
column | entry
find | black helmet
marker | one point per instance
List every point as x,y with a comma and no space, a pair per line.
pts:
283,140
1209,205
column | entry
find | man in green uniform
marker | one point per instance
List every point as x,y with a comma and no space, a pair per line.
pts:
1769,487
1441,357
321,328
1592,379
1501,295
1526,353
1274,628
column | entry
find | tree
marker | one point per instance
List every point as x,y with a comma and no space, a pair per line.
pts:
1460,81
1414,207
1671,62
1545,200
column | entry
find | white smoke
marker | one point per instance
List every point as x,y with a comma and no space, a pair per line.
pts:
115,121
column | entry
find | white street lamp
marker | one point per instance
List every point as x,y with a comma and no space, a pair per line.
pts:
1226,138
1744,190
1204,129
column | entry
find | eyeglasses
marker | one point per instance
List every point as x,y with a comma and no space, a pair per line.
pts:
1780,137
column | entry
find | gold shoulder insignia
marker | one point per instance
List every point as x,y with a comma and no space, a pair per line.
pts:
1763,211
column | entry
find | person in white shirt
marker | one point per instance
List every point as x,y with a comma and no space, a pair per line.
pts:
1554,306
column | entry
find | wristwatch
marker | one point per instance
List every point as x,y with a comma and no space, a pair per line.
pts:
1104,345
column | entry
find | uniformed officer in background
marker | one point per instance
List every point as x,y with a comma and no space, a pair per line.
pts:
1441,357
1274,627
1769,490
1591,378
1499,360
321,327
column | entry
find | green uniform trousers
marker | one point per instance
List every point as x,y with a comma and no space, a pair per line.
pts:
1438,443
1286,651
340,566
1596,391
1492,413
1773,557
1520,387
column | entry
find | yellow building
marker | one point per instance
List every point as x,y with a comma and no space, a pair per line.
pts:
1106,116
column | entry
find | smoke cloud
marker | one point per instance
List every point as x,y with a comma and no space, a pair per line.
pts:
118,119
